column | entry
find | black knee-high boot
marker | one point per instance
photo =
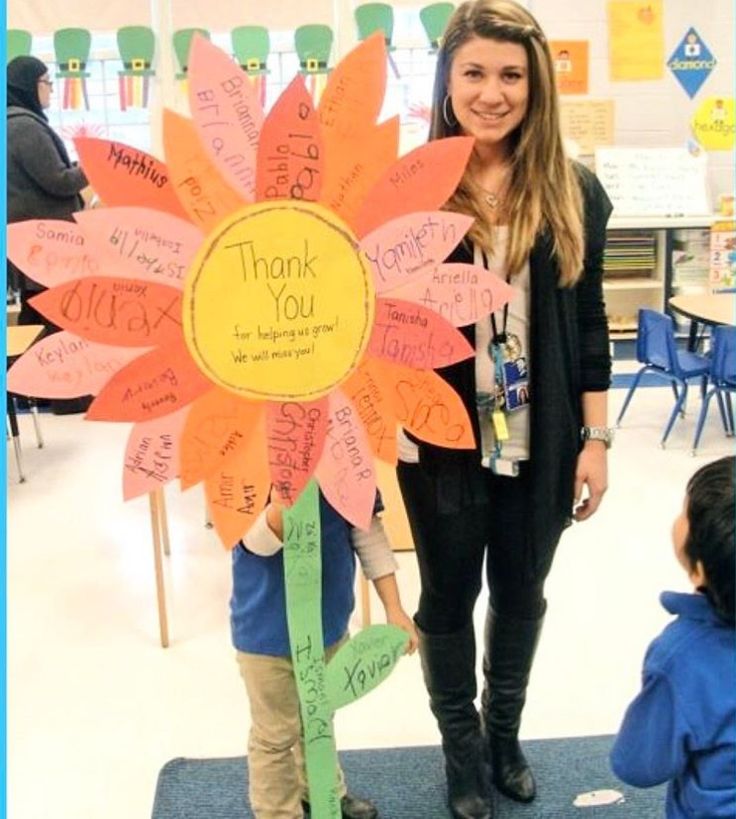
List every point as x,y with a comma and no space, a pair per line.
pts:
509,652
448,663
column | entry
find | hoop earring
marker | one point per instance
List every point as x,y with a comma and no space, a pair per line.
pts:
445,116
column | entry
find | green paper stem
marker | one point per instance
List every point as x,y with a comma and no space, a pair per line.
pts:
303,576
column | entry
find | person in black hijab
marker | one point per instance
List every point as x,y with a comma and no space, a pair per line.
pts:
43,183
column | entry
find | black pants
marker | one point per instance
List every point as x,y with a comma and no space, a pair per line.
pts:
450,550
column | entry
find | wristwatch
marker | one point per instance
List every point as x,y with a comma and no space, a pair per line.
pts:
604,434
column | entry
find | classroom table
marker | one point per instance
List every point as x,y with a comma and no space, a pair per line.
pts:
711,309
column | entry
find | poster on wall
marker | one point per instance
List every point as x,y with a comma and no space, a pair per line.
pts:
723,254
636,40
571,65
589,123
713,123
654,181
691,62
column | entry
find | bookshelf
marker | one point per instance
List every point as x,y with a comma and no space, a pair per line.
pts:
639,266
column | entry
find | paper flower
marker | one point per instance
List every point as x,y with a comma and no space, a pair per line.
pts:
266,305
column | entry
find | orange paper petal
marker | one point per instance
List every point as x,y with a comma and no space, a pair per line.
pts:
424,179
123,175
354,166
429,408
63,365
152,454
410,334
295,434
290,149
227,113
140,243
128,312
345,472
202,191
461,293
219,424
237,493
155,384
51,251
407,247
353,96
371,396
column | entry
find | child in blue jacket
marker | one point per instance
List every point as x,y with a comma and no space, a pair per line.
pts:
681,728
277,781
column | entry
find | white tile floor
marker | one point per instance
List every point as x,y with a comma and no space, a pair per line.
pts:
96,706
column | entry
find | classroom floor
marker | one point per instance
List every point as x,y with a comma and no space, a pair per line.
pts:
96,706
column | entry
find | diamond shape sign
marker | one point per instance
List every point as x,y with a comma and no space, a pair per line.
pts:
691,62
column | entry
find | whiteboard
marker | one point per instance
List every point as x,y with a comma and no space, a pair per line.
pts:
654,181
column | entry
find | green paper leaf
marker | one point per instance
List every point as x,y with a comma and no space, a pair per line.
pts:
364,662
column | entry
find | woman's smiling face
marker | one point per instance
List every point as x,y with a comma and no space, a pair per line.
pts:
489,88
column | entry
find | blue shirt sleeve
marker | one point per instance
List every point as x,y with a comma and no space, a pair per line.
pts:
651,744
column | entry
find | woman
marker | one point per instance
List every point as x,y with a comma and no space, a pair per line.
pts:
42,182
538,405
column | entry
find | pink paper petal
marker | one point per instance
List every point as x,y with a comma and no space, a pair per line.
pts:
140,243
51,251
290,153
346,474
64,365
414,336
227,112
152,454
295,435
410,246
461,293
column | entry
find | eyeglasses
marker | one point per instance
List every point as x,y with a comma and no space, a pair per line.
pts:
47,82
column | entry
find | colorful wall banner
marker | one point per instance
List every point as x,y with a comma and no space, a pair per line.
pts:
571,65
713,123
691,62
636,40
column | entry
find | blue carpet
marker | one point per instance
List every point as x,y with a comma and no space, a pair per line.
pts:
408,783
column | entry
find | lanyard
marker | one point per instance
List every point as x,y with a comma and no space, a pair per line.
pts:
495,352
499,338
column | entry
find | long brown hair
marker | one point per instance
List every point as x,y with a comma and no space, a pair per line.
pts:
544,191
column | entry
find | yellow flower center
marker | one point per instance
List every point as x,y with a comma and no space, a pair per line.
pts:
278,302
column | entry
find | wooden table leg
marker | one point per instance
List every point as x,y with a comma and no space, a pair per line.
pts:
163,520
158,565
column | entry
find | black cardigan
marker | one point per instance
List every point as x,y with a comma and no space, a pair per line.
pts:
569,355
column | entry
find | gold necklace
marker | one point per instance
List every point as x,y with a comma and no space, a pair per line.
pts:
491,198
